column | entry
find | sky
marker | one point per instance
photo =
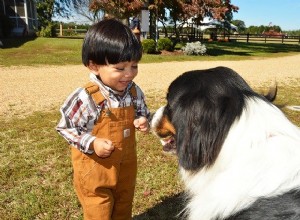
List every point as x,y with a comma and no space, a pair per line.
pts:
283,13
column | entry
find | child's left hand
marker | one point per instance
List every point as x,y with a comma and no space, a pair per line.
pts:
141,124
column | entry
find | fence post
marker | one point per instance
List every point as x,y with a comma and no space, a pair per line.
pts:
299,39
248,38
282,37
60,29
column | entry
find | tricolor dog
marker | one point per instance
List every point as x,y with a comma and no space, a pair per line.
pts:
239,156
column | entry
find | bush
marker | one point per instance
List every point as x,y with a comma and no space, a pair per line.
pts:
194,48
69,32
48,31
164,44
148,46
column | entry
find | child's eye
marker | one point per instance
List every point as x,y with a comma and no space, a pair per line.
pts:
134,67
119,68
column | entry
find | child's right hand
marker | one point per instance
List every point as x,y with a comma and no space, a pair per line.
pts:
102,147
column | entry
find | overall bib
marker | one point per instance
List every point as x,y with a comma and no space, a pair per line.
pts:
105,186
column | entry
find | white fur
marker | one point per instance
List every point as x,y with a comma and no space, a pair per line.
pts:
260,158
157,117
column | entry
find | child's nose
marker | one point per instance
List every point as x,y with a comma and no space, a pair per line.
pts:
129,73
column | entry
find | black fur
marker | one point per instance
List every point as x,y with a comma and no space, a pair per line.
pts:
220,94
281,207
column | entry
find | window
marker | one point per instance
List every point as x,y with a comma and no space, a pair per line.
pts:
20,8
15,9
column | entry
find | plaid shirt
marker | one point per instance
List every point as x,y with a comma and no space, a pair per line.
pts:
79,112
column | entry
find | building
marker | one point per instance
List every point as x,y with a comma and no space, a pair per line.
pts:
22,14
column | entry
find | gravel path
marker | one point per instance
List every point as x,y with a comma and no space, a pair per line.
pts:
27,89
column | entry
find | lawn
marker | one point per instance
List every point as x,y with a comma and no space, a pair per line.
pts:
63,51
35,170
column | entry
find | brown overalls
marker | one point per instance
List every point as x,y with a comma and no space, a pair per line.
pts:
105,186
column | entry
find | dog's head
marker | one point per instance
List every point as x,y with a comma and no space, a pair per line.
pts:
201,107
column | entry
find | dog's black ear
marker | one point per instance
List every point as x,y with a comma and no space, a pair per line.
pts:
203,106
202,122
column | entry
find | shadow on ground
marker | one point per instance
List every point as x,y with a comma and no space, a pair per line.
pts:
14,42
168,209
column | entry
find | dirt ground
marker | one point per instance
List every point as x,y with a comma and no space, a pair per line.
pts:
27,89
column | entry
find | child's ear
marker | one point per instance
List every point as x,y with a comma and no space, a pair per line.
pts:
93,66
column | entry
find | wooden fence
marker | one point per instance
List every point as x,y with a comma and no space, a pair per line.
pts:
259,38
264,38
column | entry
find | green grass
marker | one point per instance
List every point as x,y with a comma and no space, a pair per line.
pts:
40,51
62,51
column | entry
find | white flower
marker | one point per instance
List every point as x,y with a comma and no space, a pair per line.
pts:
194,48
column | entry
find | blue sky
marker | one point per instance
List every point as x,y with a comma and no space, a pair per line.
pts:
284,13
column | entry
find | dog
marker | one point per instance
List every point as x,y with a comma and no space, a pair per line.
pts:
238,154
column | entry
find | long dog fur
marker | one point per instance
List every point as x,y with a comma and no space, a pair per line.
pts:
239,156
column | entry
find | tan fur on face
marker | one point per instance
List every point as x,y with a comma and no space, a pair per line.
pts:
164,128
161,125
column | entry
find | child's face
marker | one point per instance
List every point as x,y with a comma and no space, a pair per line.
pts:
117,76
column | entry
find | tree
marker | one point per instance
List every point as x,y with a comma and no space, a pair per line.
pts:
182,11
262,29
240,25
179,11
122,9
82,7
46,9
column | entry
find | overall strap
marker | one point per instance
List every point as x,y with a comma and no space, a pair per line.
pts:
133,90
133,94
93,90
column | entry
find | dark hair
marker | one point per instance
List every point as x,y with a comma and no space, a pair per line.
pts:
110,41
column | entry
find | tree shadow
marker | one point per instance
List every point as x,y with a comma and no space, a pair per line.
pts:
223,52
168,209
14,42
249,49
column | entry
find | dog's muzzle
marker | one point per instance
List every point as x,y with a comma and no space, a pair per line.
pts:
169,145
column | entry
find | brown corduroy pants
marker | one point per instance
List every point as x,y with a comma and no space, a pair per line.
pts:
105,186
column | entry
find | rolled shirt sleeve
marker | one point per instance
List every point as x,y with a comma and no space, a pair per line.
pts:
141,108
78,116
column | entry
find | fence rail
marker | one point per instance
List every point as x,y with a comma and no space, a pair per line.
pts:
265,38
241,38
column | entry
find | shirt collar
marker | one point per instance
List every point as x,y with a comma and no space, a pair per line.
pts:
107,90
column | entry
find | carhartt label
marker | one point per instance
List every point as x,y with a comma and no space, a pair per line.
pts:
126,133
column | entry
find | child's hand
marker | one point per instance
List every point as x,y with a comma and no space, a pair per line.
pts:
141,124
102,147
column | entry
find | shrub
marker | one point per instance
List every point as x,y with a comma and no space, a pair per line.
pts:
48,31
194,48
70,32
148,46
164,44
